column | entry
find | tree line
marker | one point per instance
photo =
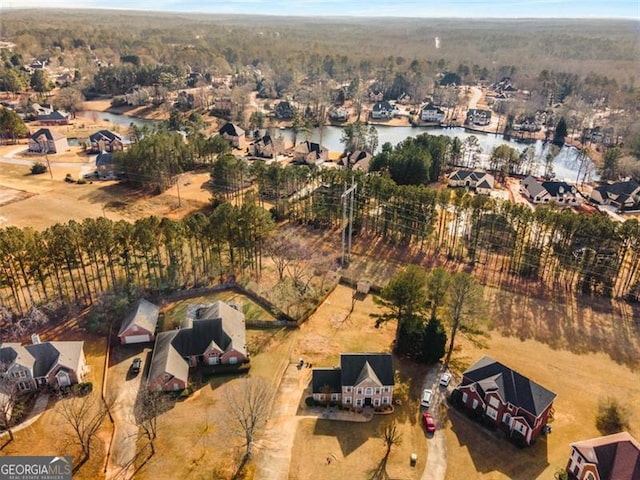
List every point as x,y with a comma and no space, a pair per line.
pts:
80,261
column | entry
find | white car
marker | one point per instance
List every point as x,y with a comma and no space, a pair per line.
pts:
445,379
426,397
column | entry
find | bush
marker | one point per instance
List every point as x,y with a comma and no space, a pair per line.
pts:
82,181
82,389
309,402
612,417
37,168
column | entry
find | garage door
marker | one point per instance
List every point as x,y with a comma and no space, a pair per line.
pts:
136,338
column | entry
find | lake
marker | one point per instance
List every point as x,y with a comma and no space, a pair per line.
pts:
565,163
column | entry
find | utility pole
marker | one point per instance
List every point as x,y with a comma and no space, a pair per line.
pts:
349,194
178,185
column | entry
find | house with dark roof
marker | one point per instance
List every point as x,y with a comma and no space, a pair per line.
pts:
285,110
357,160
622,195
382,110
46,141
53,364
612,457
267,146
57,117
232,133
478,117
432,113
211,334
507,399
339,114
105,141
478,180
140,323
310,153
560,193
362,380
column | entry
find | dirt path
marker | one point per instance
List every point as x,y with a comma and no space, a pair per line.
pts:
475,97
275,455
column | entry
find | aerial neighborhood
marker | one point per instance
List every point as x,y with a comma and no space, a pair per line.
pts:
309,247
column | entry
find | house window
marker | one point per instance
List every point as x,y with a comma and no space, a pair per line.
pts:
348,389
385,400
590,476
358,402
334,396
369,391
579,460
492,413
493,401
475,403
385,389
23,385
359,390
347,400
520,428
506,418
377,391
376,402
464,397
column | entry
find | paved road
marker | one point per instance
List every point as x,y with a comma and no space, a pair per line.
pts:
436,466
87,167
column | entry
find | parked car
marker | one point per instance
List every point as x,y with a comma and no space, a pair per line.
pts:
135,366
445,379
426,397
427,421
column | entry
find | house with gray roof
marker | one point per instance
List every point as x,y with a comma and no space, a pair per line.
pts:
53,364
140,323
612,457
45,141
507,399
382,110
105,141
267,146
357,160
624,196
211,334
310,153
432,113
362,380
57,117
232,133
554,191
478,180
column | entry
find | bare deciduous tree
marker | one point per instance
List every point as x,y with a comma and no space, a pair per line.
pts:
248,403
83,416
8,400
391,437
149,406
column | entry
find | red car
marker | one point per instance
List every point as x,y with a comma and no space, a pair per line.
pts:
429,424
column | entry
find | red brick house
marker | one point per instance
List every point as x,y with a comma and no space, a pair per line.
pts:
506,399
613,457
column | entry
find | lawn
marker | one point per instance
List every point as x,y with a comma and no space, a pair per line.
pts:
48,435
174,313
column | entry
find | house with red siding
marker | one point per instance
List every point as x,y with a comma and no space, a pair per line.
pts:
362,380
507,399
612,457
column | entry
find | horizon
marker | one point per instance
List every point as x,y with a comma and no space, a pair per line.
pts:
457,9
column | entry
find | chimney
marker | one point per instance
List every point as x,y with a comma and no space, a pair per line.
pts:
35,339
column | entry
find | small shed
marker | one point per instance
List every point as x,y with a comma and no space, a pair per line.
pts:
363,287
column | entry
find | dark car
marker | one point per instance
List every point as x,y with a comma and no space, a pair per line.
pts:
427,421
135,366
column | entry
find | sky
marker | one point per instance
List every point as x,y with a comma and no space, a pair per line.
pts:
629,9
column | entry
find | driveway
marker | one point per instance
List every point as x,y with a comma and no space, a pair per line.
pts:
436,466
275,449
87,167
122,390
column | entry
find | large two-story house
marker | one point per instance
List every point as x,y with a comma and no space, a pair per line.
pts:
53,364
363,379
478,117
613,457
431,113
506,398
232,133
45,141
310,153
105,141
212,334
561,193
382,110
622,195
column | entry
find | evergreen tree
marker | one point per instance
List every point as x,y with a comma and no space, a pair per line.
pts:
560,132
434,341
